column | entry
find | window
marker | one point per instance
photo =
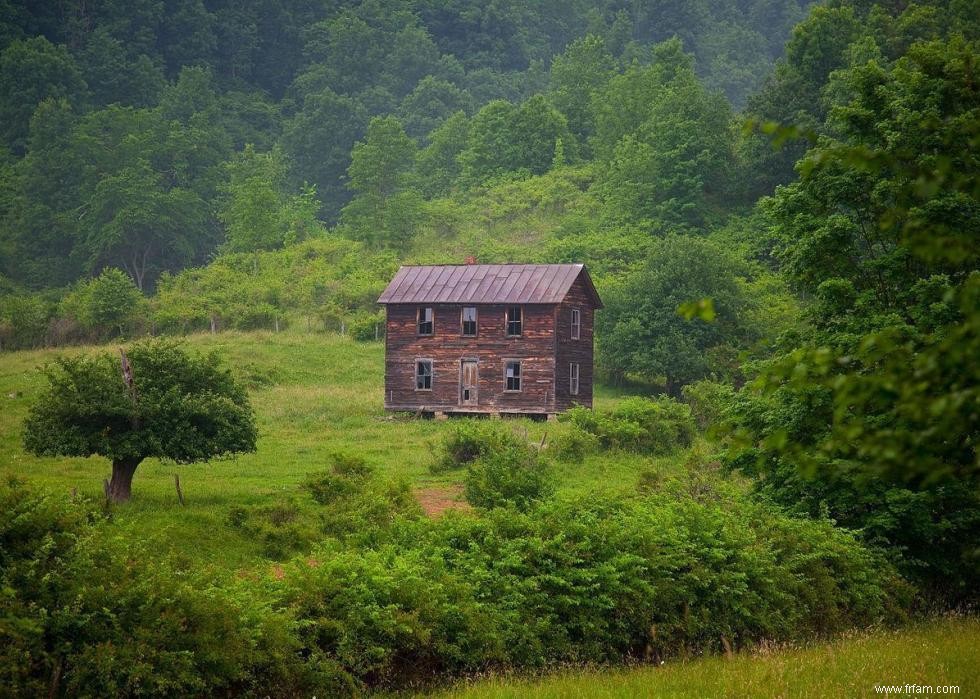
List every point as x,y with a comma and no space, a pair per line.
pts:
514,316
573,378
576,323
423,375
425,321
469,321
512,374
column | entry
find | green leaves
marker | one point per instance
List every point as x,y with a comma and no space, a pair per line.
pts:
185,408
641,331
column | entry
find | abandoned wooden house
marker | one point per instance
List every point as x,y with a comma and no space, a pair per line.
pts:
497,339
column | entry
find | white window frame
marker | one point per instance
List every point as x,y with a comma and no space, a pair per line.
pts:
576,329
419,321
519,376
462,322
507,321
432,373
574,376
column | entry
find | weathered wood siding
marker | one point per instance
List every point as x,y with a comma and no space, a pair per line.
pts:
447,347
569,350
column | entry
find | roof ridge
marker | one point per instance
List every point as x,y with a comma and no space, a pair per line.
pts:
544,283
500,264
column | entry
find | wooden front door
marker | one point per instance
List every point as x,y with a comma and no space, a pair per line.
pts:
468,378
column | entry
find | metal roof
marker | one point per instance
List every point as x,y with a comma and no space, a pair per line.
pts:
486,284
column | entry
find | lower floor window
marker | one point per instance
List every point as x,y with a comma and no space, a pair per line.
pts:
423,375
512,373
573,378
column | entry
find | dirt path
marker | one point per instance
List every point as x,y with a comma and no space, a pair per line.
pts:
435,501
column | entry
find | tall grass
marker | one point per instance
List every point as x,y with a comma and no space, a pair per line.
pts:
943,652
314,395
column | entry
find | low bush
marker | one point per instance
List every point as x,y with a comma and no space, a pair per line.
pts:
345,477
282,527
86,613
572,444
693,568
708,400
514,476
467,440
108,306
24,320
692,565
357,505
367,327
641,425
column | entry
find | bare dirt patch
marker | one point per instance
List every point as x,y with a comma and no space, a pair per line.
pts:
435,501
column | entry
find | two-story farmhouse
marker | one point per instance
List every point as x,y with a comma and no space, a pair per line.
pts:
496,339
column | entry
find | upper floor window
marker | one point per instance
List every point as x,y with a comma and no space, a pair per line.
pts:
515,319
576,323
469,321
573,370
425,321
512,376
423,375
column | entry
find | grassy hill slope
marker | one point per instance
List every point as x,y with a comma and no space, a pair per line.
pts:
314,395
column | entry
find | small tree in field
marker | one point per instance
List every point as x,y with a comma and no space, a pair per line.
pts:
155,400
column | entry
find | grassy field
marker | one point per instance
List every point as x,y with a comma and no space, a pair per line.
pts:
314,394
941,653
317,394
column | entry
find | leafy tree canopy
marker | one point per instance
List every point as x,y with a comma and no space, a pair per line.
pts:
159,401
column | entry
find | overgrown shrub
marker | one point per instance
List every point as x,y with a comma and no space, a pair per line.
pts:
282,526
85,613
367,327
641,425
708,401
572,444
389,617
599,579
357,504
108,306
512,476
345,477
694,567
24,321
467,440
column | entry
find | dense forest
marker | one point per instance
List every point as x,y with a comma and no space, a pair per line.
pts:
779,201
150,138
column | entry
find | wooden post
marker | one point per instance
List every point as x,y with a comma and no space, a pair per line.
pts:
726,644
180,494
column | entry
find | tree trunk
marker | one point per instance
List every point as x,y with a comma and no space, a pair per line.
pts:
121,484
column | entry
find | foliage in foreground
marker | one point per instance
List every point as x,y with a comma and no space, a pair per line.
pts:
872,414
687,569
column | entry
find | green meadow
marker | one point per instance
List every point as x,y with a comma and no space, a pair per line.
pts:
314,395
318,394
941,653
